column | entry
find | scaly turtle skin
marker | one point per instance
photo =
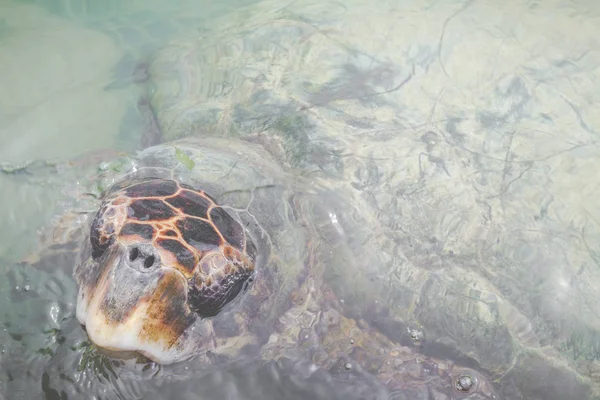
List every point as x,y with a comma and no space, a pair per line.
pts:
223,263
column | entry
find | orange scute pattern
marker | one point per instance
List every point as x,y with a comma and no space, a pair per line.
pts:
184,226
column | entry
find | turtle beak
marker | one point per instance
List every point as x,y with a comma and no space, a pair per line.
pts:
129,301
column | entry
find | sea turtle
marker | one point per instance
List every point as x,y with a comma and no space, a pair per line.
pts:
460,239
462,243
204,253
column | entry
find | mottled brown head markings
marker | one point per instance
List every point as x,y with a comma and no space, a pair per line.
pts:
187,231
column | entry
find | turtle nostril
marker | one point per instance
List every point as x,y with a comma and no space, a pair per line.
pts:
134,254
148,262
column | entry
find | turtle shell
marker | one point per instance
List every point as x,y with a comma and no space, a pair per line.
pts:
137,295
446,251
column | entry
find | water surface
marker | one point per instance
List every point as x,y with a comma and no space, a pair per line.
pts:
468,130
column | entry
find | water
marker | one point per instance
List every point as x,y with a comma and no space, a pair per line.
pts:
465,131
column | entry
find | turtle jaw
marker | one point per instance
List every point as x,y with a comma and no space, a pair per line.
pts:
125,308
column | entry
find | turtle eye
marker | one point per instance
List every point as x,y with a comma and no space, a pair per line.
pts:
102,234
217,282
209,297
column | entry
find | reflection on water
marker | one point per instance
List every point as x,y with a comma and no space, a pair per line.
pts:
463,134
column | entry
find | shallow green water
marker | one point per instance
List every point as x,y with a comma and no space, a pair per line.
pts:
468,132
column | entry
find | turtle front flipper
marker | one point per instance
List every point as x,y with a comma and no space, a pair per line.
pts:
316,330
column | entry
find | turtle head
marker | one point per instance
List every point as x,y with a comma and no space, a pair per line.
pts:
161,258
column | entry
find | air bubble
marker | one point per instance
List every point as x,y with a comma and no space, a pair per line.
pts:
54,311
416,334
464,383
